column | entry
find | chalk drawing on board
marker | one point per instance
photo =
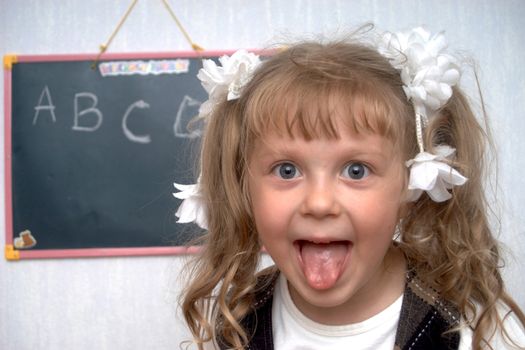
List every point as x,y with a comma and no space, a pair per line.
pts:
49,106
131,136
91,110
188,108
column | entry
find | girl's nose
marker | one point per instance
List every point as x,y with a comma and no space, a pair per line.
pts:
320,200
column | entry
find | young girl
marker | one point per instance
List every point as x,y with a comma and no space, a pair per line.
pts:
358,168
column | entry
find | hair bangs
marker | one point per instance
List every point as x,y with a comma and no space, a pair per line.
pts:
316,109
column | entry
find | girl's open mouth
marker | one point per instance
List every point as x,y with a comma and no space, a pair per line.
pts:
323,263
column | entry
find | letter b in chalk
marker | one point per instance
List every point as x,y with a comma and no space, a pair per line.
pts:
92,110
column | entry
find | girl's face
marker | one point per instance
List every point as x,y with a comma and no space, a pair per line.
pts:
326,211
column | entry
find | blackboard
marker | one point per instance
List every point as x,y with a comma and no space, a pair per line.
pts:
93,150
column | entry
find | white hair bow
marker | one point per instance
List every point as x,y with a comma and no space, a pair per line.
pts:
428,173
428,74
192,208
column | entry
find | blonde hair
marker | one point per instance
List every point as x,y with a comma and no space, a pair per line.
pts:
294,91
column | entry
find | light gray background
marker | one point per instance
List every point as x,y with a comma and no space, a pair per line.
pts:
129,303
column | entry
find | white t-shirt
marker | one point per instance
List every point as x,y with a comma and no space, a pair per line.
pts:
293,330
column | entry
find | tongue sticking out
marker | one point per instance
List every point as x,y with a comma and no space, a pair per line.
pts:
323,263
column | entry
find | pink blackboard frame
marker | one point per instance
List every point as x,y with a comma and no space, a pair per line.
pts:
16,254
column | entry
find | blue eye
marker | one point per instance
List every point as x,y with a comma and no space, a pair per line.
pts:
286,171
356,171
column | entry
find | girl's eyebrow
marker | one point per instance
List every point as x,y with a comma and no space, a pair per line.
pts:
357,150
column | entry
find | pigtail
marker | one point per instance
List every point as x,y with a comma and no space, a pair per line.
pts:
220,291
451,244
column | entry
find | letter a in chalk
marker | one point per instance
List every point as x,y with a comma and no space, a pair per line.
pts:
90,110
49,106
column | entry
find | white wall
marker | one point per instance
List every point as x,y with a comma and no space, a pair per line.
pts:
129,303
